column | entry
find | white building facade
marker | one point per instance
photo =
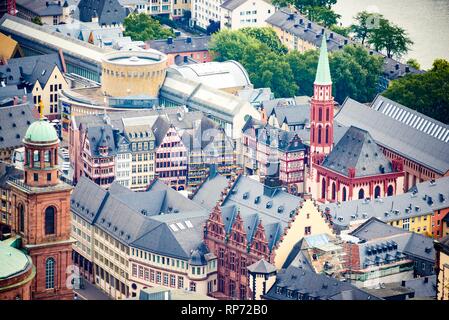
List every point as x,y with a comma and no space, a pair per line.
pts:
236,14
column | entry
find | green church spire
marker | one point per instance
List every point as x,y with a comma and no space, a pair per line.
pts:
323,74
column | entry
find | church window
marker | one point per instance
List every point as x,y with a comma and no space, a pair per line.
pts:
50,220
49,273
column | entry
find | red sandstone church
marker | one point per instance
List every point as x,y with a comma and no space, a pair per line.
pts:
355,168
41,215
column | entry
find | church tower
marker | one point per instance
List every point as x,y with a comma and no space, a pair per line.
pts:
322,109
41,213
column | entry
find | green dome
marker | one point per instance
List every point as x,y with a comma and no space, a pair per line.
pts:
41,131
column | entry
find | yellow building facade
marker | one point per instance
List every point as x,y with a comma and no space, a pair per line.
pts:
419,224
309,221
126,73
442,268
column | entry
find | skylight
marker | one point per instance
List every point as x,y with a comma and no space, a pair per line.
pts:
188,224
180,225
173,227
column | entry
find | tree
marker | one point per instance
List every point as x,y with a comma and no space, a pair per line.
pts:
37,20
366,21
267,36
427,93
354,72
414,64
344,31
141,27
391,38
229,45
324,16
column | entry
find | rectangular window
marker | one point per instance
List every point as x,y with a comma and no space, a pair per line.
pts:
180,282
165,279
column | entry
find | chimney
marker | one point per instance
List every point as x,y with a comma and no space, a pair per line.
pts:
396,66
189,40
309,25
322,30
24,99
16,100
169,40
47,4
331,35
301,21
403,283
407,69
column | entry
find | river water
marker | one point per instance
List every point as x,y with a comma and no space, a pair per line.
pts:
426,22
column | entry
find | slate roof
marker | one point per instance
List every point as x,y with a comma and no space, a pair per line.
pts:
246,197
108,12
297,258
149,220
40,8
7,171
28,70
101,136
407,205
381,242
262,266
395,135
180,45
357,149
411,118
424,287
313,286
14,122
392,69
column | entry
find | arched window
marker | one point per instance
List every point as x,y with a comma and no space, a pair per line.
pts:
344,194
49,273
334,191
319,134
327,114
313,133
390,190
50,220
361,193
320,114
36,159
327,134
323,189
21,211
376,192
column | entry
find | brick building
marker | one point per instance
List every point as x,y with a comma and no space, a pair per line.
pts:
41,213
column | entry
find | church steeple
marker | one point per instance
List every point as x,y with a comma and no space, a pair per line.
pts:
323,73
322,108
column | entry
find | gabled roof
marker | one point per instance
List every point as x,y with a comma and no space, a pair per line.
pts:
395,135
311,285
28,70
289,21
101,136
14,122
9,47
108,12
357,149
246,197
159,220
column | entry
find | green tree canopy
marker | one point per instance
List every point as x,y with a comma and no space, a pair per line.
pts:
366,22
427,93
391,38
414,64
355,73
141,27
266,35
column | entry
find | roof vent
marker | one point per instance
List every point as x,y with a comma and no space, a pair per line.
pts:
246,195
281,209
441,197
269,204
428,249
257,200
